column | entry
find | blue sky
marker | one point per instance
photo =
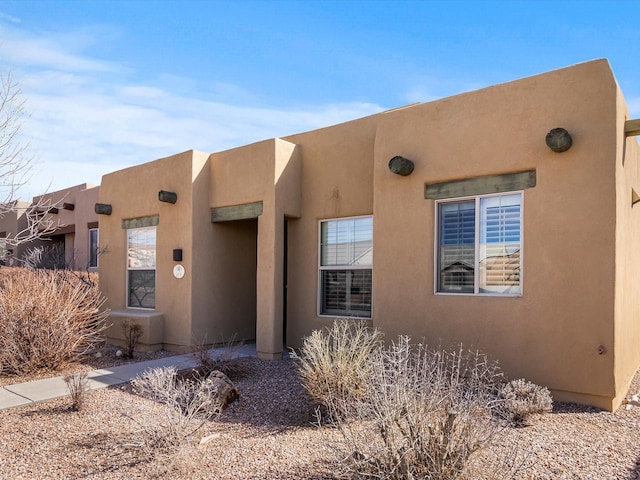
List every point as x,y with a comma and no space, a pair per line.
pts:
110,84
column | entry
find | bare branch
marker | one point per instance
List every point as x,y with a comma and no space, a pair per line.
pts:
15,171
15,162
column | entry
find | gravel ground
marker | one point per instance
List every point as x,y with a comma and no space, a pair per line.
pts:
268,434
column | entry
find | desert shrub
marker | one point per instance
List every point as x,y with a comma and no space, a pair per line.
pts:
334,363
50,257
132,333
47,319
77,386
187,405
426,413
221,356
523,399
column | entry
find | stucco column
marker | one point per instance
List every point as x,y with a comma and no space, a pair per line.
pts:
269,279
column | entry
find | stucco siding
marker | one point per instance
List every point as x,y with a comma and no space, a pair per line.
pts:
574,326
627,286
133,193
336,181
552,332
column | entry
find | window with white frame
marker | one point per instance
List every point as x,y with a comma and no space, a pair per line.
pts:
141,267
93,248
346,263
480,245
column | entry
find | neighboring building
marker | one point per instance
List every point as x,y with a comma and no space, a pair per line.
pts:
493,240
12,223
71,242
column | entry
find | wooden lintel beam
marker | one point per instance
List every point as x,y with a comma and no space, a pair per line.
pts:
236,212
632,128
508,182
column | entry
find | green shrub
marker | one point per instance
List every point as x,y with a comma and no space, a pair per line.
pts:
523,399
334,363
47,319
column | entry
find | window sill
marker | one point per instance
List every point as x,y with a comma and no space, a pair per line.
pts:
350,317
495,295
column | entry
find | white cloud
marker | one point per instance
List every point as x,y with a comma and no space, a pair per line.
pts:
84,125
20,50
10,18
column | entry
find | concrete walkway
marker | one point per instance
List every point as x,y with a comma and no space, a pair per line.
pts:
50,388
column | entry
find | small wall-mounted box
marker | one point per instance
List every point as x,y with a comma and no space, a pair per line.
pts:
177,254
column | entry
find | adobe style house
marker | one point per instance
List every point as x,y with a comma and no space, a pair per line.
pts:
77,232
72,240
505,219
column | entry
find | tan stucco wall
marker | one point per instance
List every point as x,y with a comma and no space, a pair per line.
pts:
133,193
627,291
550,334
267,172
336,181
573,329
224,276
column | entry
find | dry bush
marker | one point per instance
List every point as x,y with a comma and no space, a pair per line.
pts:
77,386
426,413
47,319
334,363
188,405
221,357
132,333
50,257
523,399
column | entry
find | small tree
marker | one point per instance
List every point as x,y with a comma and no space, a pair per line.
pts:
15,168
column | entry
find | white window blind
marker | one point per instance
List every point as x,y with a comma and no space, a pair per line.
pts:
499,260
346,260
479,245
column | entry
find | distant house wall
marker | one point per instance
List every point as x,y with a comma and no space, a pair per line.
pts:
86,219
69,214
11,224
73,215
